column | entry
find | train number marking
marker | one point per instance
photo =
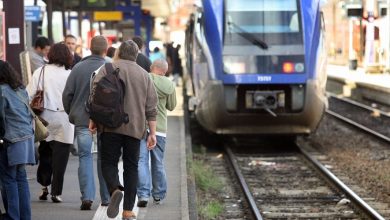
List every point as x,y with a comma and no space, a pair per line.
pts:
264,78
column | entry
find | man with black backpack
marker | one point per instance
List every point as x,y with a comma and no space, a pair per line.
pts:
139,102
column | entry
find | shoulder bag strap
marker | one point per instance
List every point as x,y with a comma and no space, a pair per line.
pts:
43,79
40,75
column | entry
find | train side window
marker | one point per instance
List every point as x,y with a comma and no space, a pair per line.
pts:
322,21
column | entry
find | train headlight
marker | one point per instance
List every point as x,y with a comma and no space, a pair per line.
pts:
235,67
288,67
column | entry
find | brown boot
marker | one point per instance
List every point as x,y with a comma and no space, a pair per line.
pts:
128,215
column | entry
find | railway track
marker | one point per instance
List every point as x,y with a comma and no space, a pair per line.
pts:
294,185
371,120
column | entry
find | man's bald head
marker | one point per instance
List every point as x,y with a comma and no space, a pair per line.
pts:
159,67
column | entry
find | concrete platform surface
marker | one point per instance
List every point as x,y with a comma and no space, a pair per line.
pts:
174,206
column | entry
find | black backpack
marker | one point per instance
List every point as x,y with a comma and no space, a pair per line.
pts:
105,104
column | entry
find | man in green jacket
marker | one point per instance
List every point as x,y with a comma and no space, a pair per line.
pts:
166,101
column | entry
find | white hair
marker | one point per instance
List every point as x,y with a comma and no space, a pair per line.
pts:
160,64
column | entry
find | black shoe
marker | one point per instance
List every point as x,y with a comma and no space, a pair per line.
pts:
86,205
157,201
113,207
56,199
105,204
44,194
142,203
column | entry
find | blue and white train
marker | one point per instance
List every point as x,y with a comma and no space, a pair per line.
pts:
257,66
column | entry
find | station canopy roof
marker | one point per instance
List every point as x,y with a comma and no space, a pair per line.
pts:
158,8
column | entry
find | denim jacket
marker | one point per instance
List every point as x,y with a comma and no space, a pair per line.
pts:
15,118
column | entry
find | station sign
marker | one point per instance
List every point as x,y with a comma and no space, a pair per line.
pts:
354,10
383,9
108,16
32,13
83,5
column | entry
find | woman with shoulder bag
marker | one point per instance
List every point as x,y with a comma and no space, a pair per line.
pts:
54,150
16,144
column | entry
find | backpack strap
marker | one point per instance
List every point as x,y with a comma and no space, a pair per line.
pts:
109,68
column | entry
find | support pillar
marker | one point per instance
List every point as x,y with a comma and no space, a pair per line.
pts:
388,36
137,21
370,36
14,31
79,23
352,52
148,21
49,9
64,26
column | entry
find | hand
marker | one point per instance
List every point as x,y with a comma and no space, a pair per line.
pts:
151,142
92,127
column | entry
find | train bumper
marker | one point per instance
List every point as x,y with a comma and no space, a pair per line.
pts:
212,114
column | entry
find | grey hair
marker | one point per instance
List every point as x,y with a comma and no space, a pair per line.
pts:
128,50
160,64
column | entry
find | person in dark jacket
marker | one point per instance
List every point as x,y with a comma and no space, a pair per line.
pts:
74,97
71,42
16,145
142,60
177,70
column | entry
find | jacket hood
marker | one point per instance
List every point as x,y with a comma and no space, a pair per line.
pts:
163,85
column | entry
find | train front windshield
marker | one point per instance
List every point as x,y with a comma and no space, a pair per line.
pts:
263,37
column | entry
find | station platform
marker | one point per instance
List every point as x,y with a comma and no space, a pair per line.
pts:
173,207
359,76
372,86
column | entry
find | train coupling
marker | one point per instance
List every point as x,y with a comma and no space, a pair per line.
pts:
267,100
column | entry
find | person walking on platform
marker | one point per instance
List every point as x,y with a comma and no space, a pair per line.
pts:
140,101
71,42
142,60
157,54
39,53
166,101
16,145
177,70
54,150
74,97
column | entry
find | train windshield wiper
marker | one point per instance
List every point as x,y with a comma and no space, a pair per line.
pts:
249,36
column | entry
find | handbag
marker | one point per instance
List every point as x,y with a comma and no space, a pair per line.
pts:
37,102
40,124
40,131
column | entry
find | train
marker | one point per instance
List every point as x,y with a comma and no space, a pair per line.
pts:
256,66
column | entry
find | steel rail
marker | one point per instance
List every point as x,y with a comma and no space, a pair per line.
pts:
364,128
358,104
244,185
345,189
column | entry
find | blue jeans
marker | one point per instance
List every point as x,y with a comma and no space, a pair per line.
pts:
85,171
15,192
156,174
104,194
